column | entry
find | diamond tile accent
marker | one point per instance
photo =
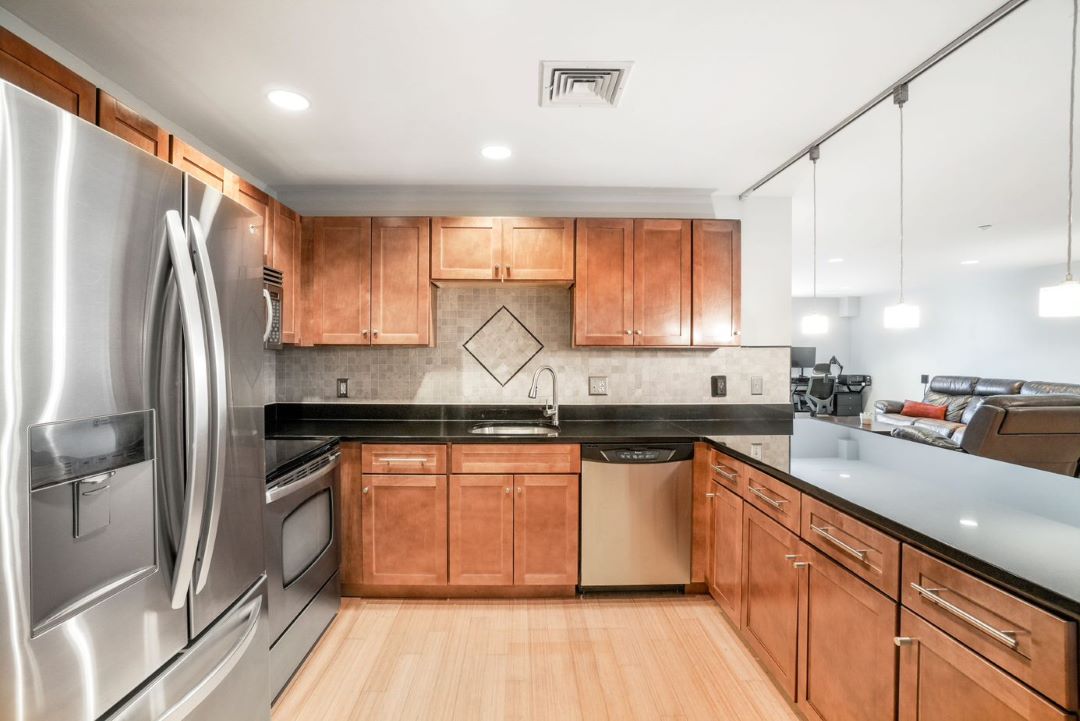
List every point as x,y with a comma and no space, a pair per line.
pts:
503,345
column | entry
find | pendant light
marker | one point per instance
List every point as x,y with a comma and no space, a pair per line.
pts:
815,323
901,315
1063,300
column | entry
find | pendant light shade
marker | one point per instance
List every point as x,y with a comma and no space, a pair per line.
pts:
1063,300
814,323
901,315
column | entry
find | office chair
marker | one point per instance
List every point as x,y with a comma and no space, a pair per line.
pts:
822,390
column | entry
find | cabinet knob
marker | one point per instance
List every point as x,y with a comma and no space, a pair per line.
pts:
507,490
711,495
507,271
519,490
627,331
496,271
904,640
638,332
800,564
374,333
253,229
790,556
738,332
367,488
364,332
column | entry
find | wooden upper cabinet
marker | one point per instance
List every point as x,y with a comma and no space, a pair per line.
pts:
481,530
339,305
662,271
125,123
604,291
400,281
466,249
546,530
538,249
847,657
258,202
197,164
404,527
284,254
941,678
32,70
717,282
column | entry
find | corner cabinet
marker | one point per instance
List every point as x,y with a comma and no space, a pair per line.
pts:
370,282
657,283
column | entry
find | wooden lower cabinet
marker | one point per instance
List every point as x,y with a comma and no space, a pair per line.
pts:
847,653
404,528
481,530
943,680
352,518
723,572
771,595
546,530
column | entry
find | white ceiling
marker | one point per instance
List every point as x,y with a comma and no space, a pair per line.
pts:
407,91
985,143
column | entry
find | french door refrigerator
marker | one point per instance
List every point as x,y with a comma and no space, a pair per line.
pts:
132,578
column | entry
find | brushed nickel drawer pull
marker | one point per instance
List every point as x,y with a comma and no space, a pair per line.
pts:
777,503
1006,638
392,459
904,640
711,495
823,531
726,473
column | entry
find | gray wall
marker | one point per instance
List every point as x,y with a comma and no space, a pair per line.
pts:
985,324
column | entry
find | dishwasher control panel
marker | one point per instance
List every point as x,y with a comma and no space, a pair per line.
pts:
618,453
637,455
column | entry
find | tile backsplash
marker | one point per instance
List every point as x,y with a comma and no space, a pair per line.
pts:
448,374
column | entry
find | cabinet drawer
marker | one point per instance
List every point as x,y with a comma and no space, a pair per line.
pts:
726,471
404,459
1035,646
774,498
515,458
865,551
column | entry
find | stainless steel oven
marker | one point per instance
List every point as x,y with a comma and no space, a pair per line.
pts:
273,283
302,555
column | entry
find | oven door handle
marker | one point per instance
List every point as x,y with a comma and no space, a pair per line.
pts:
278,492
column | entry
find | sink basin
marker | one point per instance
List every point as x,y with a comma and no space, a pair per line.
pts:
510,428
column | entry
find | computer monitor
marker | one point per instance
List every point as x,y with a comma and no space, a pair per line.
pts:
803,357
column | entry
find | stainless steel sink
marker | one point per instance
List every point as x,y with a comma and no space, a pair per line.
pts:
510,428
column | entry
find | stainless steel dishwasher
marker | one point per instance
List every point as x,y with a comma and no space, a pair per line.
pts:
635,515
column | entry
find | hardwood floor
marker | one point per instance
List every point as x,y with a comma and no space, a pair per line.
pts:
669,658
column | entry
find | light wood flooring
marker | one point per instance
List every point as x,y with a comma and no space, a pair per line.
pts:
669,658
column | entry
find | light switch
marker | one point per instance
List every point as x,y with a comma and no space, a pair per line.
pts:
757,385
755,451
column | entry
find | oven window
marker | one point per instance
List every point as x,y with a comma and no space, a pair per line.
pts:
305,534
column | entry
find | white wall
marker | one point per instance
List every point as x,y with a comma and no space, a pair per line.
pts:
982,324
837,342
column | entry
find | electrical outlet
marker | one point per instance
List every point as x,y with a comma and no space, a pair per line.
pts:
755,451
597,385
342,387
719,386
757,385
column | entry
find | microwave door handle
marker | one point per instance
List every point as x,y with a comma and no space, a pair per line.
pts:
198,404
269,314
220,401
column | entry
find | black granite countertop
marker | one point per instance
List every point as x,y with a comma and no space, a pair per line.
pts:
1012,525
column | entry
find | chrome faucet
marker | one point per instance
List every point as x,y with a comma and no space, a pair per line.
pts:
552,409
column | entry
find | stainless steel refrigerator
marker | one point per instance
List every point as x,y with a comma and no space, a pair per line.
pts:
132,578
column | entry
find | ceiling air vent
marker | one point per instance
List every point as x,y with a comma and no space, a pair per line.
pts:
582,84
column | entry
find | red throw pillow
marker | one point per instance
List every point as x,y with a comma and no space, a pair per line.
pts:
923,410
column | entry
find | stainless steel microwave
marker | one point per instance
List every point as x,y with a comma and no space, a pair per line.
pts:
272,287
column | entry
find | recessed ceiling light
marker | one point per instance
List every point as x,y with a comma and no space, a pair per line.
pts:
836,260
845,475
288,100
969,522
971,261
495,152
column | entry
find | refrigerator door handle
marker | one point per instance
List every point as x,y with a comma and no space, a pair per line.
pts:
199,405
220,401
269,314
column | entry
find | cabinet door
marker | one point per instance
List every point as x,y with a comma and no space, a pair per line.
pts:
197,164
341,280
847,654
481,530
32,70
400,281
352,519
125,123
943,680
466,249
717,282
404,528
285,256
546,530
258,202
662,282
538,249
771,595
604,290
724,570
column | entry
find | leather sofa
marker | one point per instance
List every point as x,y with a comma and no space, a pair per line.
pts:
1032,423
